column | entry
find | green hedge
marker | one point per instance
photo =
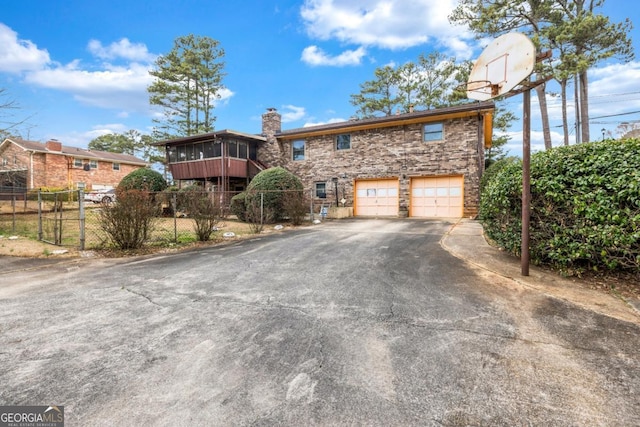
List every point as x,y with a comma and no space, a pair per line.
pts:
270,192
585,208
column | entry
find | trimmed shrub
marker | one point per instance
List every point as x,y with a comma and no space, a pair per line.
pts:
143,179
494,169
238,206
585,209
269,195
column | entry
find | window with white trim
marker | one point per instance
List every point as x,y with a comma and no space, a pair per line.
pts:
78,163
93,164
116,166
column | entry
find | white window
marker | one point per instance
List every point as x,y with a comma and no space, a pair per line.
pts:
77,163
93,164
116,166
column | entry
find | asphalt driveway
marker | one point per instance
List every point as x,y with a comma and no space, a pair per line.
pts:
348,323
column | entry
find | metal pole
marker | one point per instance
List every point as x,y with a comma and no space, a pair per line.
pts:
13,210
39,214
311,205
261,208
526,180
174,207
82,218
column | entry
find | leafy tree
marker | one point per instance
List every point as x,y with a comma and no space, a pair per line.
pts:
583,39
431,82
130,142
408,85
437,79
143,179
501,122
114,143
188,81
379,95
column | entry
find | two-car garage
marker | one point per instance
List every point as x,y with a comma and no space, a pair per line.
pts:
429,197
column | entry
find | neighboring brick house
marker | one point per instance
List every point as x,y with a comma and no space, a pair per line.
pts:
29,164
419,164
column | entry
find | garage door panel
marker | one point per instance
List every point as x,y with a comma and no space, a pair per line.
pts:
377,197
437,197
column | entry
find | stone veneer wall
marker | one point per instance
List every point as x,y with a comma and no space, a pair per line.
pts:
271,153
393,152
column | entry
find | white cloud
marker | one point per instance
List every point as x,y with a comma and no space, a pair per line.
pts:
114,87
334,120
293,114
388,24
18,55
123,48
315,56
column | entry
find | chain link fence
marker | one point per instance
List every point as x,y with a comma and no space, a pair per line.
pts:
65,219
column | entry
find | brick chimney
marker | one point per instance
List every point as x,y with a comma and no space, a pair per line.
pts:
271,151
271,122
53,145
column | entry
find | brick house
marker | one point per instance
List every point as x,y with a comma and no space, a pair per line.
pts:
29,164
419,164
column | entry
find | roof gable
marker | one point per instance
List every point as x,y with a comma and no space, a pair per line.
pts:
39,147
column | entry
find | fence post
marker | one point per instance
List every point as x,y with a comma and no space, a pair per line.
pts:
39,214
82,217
13,209
261,209
174,205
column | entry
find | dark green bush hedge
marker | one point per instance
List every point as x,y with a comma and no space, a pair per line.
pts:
238,207
143,179
274,188
585,208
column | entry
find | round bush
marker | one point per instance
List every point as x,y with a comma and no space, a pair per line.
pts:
270,188
143,179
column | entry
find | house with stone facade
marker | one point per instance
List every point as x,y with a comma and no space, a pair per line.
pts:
420,164
51,165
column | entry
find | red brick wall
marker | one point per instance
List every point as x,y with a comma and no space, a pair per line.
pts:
51,170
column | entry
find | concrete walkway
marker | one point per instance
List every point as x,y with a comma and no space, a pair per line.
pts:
466,240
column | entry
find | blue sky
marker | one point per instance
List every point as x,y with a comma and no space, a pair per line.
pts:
79,68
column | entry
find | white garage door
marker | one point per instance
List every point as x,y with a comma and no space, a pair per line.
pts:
439,197
376,198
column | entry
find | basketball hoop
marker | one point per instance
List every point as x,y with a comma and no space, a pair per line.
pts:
480,86
507,62
503,65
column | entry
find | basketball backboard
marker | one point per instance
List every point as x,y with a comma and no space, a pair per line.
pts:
506,62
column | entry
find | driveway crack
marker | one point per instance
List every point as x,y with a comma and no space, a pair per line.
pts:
143,296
